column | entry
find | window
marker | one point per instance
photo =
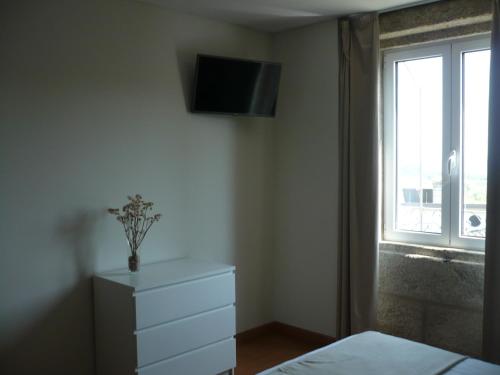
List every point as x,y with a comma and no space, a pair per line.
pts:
435,144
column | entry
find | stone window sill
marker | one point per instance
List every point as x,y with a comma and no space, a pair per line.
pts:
443,254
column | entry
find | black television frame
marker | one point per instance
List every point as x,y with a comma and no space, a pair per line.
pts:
195,86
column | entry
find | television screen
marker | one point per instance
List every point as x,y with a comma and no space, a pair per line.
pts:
234,86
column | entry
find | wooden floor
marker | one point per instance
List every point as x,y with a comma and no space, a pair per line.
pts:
264,351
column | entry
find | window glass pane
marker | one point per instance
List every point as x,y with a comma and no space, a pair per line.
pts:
475,96
419,101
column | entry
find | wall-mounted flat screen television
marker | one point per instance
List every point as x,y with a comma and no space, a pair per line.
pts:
234,86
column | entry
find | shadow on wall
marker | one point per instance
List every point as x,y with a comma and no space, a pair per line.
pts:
186,63
252,220
238,229
77,233
61,341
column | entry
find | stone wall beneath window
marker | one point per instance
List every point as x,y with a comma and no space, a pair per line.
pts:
432,295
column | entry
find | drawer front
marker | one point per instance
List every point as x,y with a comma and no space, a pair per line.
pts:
180,336
178,301
181,300
210,360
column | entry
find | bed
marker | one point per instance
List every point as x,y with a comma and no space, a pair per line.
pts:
376,353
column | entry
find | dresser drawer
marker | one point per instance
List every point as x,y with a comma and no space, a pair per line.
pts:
210,360
168,340
181,300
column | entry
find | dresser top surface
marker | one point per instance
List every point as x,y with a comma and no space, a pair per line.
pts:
154,275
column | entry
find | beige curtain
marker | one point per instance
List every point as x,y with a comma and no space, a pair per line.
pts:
359,163
491,319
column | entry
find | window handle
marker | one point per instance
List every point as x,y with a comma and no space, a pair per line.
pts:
452,161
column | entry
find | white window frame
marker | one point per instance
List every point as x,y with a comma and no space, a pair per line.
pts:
451,53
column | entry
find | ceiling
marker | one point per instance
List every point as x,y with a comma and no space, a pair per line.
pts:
277,15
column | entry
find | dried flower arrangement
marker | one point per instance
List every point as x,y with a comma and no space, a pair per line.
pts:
136,223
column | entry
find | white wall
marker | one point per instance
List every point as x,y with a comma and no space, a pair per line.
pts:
306,167
93,101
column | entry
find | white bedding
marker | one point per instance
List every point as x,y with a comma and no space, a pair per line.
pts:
474,366
376,353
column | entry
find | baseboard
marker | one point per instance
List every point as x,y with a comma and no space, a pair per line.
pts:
287,330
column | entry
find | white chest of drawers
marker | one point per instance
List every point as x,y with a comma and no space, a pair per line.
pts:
171,318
